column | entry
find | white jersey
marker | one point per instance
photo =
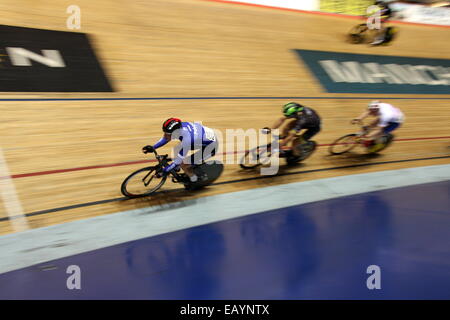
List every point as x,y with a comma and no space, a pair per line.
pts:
389,113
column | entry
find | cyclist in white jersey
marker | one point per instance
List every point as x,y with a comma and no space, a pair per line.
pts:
388,118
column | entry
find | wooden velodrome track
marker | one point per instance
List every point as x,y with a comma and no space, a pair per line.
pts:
191,48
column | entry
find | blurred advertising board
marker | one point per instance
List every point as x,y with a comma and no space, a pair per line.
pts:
340,72
350,7
37,60
402,11
422,14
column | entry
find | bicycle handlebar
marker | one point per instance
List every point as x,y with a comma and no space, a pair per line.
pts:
160,158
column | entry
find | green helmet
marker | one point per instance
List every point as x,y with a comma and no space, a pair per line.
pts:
291,108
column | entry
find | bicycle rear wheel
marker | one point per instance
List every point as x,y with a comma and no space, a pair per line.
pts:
344,144
141,183
387,140
304,150
255,157
308,149
390,34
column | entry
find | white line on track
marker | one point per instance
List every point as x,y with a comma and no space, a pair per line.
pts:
10,198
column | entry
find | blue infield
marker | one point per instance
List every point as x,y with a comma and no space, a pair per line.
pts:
318,250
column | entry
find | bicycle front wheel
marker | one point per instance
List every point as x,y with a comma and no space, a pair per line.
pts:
255,157
141,183
344,144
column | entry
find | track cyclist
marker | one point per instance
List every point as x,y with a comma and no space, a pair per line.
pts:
193,136
385,14
299,117
387,119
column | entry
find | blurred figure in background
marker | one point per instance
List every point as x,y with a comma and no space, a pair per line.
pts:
385,13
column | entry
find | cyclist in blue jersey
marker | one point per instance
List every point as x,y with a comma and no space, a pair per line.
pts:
193,136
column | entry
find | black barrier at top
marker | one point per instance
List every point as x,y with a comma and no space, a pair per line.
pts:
36,60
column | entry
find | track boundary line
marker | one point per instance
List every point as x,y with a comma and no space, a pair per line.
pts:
10,198
47,172
92,203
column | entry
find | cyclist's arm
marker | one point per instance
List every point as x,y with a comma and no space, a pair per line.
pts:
185,148
278,123
291,135
163,141
288,139
361,117
375,132
374,123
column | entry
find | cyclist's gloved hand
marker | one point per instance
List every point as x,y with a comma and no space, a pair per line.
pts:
148,149
170,167
265,130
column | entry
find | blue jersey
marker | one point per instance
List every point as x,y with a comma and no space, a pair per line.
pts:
193,136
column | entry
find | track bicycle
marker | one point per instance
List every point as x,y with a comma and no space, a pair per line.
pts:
261,155
146,181
350,141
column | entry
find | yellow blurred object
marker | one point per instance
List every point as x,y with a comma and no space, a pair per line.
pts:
351,7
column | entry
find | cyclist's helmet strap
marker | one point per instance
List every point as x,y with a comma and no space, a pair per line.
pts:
291,108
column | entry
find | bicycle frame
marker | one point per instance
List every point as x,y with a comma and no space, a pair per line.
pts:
163,161
364,131
276,139
360,135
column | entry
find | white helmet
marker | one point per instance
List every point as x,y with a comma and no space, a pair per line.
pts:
374,105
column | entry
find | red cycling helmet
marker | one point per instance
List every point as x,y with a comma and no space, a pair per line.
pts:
171,124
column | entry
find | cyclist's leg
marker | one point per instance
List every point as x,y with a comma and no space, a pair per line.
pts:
384,28
285,132
187,165
379,141
388,129
288,127
285,137
198,158
304,138
391,127
369,142
380,34
210,150
187,168
311,132
366,141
